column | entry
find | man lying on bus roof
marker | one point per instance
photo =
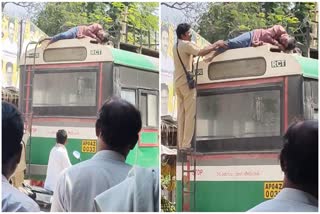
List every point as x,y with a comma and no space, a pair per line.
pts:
94,31
299,162
275,35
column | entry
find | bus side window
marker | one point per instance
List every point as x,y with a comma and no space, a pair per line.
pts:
310,99
129,95
149,108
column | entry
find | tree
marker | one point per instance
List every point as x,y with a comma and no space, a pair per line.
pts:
32,8
60,16
192,11
229,19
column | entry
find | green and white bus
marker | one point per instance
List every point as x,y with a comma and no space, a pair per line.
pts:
246,98
63,87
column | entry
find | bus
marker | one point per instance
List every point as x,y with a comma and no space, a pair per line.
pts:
64,86
246,99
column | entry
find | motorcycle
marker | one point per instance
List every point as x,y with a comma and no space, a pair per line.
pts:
40,195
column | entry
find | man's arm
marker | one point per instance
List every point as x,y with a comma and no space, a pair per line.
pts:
59,196
214,46
257,43
279,30
65,161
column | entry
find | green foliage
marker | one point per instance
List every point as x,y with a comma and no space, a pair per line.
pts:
60,16
166,205
229,19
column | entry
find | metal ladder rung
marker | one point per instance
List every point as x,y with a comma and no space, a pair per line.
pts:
189,171
188,192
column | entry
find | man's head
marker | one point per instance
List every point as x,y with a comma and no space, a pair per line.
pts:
61,136
164,39
118,125
11,29
9,67
184,31
288,42
299,156
12,132
103,36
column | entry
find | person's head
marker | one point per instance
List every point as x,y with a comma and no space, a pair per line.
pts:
9,67
118,125
184,31
299,156
164,38
288,42
103,36
12,132
61,136
11,29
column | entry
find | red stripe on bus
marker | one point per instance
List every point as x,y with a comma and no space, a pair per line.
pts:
54,119
238,156
68,65
285,111
28,90
240,83
148,144
150,130
100,87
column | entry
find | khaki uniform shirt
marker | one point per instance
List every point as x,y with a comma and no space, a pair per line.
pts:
187,50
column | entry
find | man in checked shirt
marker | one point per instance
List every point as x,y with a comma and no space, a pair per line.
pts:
275,35
94,31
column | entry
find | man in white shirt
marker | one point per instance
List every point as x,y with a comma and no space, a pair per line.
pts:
139,192
58,160
117,128
12,131
299,162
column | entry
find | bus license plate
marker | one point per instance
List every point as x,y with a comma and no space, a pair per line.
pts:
271,189
89,146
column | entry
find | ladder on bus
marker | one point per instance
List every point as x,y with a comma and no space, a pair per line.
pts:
188,180
28,101
189,167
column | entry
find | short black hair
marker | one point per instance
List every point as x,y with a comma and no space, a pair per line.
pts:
12,131
106,38
119,123
291,43
61,136
299,156
182,29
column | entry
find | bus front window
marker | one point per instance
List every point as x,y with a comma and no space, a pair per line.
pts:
239,115
64,89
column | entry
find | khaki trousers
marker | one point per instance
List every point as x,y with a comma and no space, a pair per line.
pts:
186,99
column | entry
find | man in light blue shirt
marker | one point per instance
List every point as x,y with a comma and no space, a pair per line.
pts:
299,162
117,128
12,131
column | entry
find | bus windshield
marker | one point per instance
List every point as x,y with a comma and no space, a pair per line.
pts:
239,115
64,89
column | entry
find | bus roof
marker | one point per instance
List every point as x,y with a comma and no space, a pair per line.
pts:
83,51
309,66
255,63
131,59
